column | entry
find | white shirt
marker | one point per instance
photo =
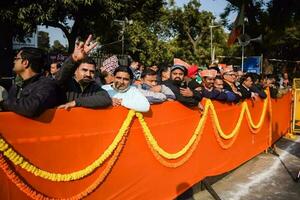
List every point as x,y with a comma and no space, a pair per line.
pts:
132,98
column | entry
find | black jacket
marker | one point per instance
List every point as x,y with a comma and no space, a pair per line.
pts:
187,101
91,96
33,96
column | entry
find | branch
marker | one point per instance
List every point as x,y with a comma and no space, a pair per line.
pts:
57,25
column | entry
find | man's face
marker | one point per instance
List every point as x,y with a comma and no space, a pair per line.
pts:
218,84
248,82
177,75
85,73
19,64
121,80
230,77
53,68
208,82
150,80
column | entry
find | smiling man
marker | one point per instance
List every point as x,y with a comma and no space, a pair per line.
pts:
123,93
76,77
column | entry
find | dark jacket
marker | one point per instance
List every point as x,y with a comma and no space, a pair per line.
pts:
187,101
33,96
228,87
91,96
259,90
246,92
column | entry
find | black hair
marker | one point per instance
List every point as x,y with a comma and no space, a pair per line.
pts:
244,77
124,69
36,58
219,77
148,72
88,60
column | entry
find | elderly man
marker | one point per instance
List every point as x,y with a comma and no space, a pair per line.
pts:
76,77
33,93
183,93
153,92
229,77
122,93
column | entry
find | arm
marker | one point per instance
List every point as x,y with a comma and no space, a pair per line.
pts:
153,97
168,92
135,100
98,100
34,102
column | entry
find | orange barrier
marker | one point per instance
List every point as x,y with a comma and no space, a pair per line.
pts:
119,154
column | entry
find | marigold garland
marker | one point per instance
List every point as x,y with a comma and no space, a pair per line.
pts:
162,152
183,160
19,160
34,194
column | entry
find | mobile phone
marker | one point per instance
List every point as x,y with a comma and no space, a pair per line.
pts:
183,84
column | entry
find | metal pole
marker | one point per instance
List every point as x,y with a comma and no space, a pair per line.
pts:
243,50
123,30
211,50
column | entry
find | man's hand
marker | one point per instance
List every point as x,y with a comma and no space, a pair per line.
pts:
156,88
82,49
186,92
68,105
116,102
201,107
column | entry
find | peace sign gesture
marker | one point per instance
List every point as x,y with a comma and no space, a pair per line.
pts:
82,49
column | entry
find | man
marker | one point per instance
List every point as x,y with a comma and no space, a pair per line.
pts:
122,93
183,93
218,85
135,68
33,93
207,85
153,92
245,87
229,77
76,77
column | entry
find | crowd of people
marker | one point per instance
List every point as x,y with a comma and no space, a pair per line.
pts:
78,82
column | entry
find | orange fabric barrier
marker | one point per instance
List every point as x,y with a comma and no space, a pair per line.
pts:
66,141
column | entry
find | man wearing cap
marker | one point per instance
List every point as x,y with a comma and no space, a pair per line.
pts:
183,93
76,78
207,85
229,77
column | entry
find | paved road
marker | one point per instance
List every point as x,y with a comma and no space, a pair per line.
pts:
265,177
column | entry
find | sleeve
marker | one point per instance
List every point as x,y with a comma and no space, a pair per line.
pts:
100,99
66,71
168,92
153,97
135,100
35,103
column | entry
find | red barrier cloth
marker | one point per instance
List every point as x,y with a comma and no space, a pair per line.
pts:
65,141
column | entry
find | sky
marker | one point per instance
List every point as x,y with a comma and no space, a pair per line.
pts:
214,6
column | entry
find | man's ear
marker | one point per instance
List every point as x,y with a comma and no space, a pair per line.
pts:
26,63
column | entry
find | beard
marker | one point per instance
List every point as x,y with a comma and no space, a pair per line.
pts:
85,81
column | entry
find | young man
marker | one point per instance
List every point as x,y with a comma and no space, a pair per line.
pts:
33,93
122,93
153,92
76,77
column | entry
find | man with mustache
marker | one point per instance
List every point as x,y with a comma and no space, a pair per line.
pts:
183,93
123,93
76,77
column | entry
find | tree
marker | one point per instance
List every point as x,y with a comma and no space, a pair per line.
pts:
57,47
43,41
278,21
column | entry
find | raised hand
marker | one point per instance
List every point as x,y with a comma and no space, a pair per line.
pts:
82,49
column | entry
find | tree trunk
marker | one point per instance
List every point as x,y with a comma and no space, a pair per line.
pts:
6,56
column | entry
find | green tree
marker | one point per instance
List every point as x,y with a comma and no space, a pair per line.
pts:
57,47
43,41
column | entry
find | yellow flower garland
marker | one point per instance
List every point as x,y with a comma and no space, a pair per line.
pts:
161,151
19,160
